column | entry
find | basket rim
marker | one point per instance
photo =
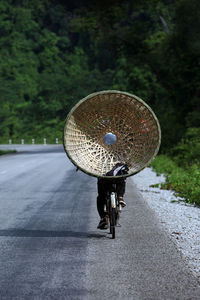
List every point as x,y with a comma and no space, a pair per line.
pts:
111,92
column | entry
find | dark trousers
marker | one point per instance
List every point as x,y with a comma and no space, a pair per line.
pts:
104,186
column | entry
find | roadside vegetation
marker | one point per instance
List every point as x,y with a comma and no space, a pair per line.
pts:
54,53
182,167
3,152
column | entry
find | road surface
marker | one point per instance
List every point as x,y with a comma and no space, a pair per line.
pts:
50,247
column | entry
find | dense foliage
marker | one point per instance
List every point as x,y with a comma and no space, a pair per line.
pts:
53,53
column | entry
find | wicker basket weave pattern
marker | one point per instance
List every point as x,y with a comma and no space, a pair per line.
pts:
127,117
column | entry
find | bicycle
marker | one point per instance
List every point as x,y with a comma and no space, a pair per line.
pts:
113,209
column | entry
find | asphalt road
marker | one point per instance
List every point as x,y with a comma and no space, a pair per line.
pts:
50,247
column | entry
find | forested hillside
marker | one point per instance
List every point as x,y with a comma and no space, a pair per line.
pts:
53,53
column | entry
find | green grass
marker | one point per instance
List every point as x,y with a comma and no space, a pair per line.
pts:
2,152
185,182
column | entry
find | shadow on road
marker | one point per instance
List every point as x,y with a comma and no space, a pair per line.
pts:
46,233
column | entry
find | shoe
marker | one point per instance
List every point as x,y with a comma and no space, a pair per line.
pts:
122,202
103,224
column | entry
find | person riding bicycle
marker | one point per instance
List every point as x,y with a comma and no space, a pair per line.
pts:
105,185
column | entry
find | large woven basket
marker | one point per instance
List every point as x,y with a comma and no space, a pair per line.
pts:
126,116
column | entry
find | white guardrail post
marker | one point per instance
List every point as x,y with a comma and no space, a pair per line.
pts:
33,141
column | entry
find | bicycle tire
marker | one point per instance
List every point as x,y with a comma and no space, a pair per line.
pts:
113,232
113,222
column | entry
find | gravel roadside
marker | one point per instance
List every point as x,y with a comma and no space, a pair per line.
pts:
180,220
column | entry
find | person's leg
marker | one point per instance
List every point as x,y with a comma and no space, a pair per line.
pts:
100,206
121,186
101,200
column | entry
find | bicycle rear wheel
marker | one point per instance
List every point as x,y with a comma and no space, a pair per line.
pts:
112,222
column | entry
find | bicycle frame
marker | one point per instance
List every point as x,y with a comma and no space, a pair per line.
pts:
113,208
113,200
